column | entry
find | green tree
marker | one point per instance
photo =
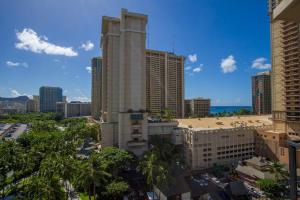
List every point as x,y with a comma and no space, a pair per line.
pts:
90,175
153,169
114,159
279,171
271,188
116,189
39,187
167,114
95,132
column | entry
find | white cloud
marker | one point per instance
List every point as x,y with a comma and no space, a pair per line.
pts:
56,60
81,96
188,68
88,69
87,46
260,63
16,64
14,93
29,40
192,58
198,69
228,64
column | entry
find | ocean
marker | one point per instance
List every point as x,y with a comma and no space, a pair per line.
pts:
228,109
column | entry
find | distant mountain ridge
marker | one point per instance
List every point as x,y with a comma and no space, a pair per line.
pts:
19,99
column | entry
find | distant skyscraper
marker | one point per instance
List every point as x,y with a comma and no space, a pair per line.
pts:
198,107
164,82
36,100
48,98
261,93
96,87
64,98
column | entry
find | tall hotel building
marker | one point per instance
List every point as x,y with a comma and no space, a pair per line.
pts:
49,96
165,82
285,41
285,83
96,64
135,83
125,121
261,93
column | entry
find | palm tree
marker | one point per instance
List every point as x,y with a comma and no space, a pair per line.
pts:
279,171
39,187
91,175
153,169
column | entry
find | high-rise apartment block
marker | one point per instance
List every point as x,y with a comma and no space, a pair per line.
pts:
131,83
285,43
261,93
96,64
36,100
124,116
165,82
198,107
49,96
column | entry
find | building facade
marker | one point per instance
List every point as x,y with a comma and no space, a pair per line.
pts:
261,93
224,140
74,108
30,106
285,41
198,107
36,100
164,82
125,120
96,64
49,96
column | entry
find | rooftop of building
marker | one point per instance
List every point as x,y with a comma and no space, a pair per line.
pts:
263,73
225,122
198,98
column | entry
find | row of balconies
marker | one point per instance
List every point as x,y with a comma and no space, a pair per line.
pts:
291,43
293,32
295,47
291,53
291,58
289,27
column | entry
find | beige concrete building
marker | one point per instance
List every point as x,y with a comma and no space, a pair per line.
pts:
198,107
224,140
74,108
285,41
96,64
164,82
261,93
136,81
124,87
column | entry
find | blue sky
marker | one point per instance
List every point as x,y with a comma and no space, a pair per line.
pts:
51,42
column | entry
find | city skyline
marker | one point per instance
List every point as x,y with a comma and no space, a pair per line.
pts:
43,49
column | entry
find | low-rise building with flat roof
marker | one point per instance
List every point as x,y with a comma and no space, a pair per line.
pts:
221,140
74,109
